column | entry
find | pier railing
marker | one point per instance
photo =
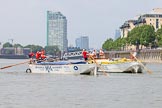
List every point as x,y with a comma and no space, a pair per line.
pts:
146,55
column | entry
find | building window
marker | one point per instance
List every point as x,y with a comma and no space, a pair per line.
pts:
157,23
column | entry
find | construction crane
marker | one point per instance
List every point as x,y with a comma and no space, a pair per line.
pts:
11,41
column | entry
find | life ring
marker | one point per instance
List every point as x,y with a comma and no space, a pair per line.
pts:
28,70
75,68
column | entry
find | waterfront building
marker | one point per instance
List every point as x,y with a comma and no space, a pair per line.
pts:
82,42
153,18
127,27
57,30
14,53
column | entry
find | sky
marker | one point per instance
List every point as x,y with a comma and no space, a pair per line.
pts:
24,21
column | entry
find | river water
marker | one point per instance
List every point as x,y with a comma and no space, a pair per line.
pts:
119,90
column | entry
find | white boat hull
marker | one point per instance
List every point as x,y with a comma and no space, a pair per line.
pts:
80,68
63,69
133,67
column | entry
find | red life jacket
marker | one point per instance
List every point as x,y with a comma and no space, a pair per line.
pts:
31,54
43,56
38,55
84,53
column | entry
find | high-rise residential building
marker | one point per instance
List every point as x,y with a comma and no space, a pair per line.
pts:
117,34
57,30
82,42
153,18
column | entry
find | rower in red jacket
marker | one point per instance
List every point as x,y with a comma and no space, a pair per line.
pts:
38,55
43,56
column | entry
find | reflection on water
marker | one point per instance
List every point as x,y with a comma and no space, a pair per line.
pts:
26,90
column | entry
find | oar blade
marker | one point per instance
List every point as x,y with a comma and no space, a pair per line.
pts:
149,71
14,65
5,67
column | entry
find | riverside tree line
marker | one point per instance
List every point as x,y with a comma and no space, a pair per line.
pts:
51,50
144,35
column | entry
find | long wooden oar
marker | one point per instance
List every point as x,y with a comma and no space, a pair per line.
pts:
14,65
149,71
98,65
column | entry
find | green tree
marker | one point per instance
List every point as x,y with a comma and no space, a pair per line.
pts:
34,48
108,44
7,44
52,50
159,37
143,35
118,43
18,45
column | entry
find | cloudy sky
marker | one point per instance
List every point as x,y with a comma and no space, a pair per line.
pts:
24,21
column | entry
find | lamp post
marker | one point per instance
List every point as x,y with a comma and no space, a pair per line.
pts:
150,44
122,47
155,43
136,45
54,52
145,43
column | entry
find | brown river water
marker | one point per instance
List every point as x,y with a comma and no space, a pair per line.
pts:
19,89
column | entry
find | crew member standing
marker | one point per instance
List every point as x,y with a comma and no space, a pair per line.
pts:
84,53
101,54
31,55
133,55
94,54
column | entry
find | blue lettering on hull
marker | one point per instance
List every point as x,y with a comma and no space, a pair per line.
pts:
48,68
